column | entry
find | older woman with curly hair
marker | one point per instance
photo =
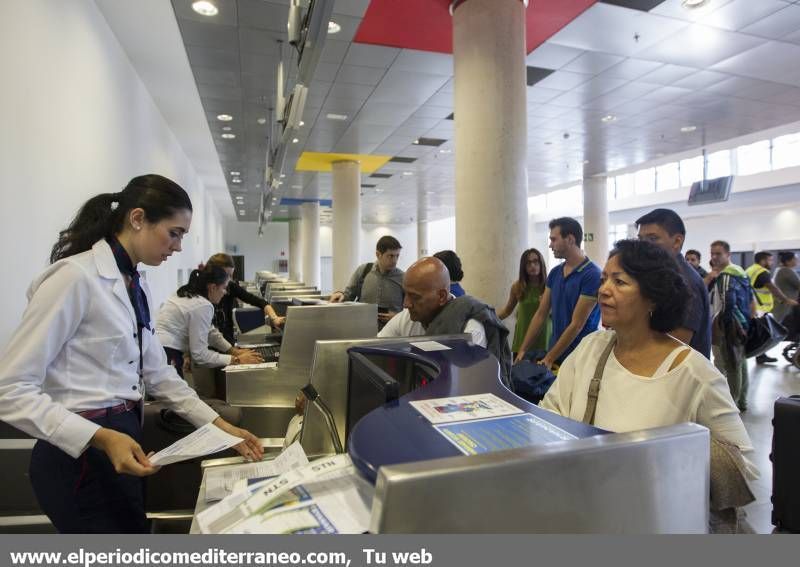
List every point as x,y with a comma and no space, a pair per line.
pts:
647,378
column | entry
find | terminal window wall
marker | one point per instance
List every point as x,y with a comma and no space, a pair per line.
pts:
753,158
691,170
719,164
786,151
626,186
617,232
645,181
668,176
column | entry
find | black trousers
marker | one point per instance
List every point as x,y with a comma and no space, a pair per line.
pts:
175,358
86,495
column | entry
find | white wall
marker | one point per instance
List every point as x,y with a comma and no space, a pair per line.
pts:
260,253
77,121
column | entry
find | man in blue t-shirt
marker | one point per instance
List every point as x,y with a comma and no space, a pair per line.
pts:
570,295
664,228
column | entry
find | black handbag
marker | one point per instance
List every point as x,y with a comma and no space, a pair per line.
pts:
763,333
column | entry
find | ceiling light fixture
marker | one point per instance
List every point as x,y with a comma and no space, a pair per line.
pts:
235,173
241,212
694,4
334,116
262,120
687,129
333,27
295,140
408,173
236,180
302,123
229,136
445,151
224,117
226,128
283,175
205,8
608,118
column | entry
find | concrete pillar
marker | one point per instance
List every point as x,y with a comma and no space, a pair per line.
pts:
309,219
595,219
422,225
295,251
491,143
346,234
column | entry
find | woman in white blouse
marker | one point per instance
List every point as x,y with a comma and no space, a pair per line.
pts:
649,379
73,372
184,323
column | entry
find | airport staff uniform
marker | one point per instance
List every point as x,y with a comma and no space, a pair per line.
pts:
72,367
184,324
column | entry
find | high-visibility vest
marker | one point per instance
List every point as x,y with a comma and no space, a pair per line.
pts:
764,299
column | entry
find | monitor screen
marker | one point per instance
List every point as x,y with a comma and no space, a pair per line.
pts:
375,379
710,190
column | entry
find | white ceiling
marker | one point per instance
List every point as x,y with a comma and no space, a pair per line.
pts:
729,69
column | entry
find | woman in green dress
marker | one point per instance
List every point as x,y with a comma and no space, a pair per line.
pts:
526,292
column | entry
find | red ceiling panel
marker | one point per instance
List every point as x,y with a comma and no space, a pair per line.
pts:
426,25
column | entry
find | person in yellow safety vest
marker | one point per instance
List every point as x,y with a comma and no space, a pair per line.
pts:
765,290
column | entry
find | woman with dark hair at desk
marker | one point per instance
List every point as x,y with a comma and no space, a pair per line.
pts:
74,370
223,314
184,323
646,377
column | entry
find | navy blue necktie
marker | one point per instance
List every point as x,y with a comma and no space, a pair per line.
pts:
135,292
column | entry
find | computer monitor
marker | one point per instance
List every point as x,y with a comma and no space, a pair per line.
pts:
377,377
710,190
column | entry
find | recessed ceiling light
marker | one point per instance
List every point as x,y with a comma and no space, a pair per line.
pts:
302,123
295,140
226,128
445,151
235,173
333,27
608,118
334,116
241,212
229,136
205,8
262,120
236,180
415,142
408,173
224,117
687,129
692,4
283,175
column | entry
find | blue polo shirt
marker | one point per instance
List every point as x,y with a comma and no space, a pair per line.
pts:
564,294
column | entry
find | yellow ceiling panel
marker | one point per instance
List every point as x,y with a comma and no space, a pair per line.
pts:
318,161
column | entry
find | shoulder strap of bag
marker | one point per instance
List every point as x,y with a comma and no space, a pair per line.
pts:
367,269
594,385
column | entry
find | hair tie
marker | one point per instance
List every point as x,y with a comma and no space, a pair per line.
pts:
114,205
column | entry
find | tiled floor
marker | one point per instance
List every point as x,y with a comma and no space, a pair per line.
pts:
767,383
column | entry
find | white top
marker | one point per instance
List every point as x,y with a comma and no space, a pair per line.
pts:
185,324
692,391
77,349
401,325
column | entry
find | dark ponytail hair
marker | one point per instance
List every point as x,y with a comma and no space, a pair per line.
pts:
199,280
104,215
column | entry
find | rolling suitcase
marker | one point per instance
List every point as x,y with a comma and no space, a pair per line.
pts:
785,459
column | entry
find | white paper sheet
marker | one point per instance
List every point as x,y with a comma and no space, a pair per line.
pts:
430,346
464,408
231,511
220,481
257,366
207,440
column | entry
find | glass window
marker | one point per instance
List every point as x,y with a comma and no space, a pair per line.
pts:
645,181
537,204
668,177
617,232
611,188
786,151
719,164
691,170
625,186
753,158
571,198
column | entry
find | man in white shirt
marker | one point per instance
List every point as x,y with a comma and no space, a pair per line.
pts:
427,291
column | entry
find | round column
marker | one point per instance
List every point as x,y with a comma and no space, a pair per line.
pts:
422,225
309,219
595,219
491,143
346,233
295,251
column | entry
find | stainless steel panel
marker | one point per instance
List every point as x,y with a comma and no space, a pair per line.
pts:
277,387
329,377
650,481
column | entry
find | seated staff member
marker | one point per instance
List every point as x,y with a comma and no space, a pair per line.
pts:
648,378
73,371
223,313
184,323
527,292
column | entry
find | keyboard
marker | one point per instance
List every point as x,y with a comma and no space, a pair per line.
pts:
269,352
